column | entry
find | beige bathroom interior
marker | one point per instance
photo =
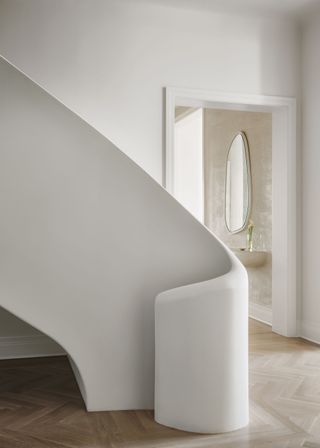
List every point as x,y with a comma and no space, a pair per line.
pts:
219,127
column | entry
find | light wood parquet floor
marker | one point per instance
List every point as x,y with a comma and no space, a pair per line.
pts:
40,405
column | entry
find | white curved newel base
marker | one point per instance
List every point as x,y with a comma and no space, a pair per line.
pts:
201,382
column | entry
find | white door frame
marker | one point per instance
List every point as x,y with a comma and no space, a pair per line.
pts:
284,195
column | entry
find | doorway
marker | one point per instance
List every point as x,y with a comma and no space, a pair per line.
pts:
282,112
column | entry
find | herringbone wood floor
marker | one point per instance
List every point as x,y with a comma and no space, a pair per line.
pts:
40,405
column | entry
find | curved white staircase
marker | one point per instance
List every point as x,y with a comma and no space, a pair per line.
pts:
88,240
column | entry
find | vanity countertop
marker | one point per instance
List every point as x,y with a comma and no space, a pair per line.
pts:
250,259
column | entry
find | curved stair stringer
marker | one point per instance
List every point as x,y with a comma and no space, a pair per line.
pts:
87,241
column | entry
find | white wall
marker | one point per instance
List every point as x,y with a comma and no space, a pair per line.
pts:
188,162
310,325
109,60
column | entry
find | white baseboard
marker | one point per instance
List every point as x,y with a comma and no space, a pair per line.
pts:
33,346
260,313
310,331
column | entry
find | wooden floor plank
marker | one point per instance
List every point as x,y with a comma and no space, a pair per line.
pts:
41,407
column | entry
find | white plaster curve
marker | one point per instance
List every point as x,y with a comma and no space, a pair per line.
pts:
201,381
87,241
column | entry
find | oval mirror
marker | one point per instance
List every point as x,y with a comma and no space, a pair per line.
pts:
238,184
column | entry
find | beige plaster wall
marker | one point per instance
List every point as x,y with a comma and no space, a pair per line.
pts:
220,126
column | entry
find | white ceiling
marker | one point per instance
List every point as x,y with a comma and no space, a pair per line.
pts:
297,8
